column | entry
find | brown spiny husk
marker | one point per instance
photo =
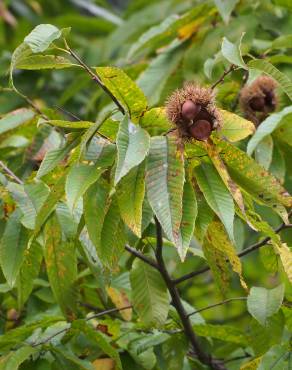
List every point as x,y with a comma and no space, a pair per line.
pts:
202,96
263,87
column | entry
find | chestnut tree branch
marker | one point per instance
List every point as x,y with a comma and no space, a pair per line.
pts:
224,74
10,173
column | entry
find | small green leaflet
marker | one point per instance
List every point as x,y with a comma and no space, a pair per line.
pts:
263,303
133,145
14,119
41,37
225,8
232,52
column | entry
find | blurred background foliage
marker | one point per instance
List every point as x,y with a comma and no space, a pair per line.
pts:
107,33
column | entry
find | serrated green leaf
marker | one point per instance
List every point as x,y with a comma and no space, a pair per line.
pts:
28,272
36,62
225,333
268,126
79,179
95,208
125,90
41,37
268,68
189,215
72,358
61,263
216,194
150,297
100,151
113,238
164,183
133,145
130,195
72,125
234,127
263,303
12,247
232,52
14,119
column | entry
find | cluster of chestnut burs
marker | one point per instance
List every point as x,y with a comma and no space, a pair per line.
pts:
193,111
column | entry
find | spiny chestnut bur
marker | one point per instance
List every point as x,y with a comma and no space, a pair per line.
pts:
258,99
192,110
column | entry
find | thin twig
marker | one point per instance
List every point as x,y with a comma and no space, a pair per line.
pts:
217,304
138,254
237,358
64,330
10,173
95,78
204,357
225,73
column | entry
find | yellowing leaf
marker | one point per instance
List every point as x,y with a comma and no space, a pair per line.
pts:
234,127
217,237
104,364
286,258
251,365
120,300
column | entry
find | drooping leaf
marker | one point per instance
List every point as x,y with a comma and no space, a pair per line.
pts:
234,127
133,145
28,272
263,303
14,119
164,183
79,178
41,37
232,52
285,254
125,90
254,179
60,258
217,237
95,208
112,237
268,68
149,293
216,194
269,125
130,195
12,247
189,215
